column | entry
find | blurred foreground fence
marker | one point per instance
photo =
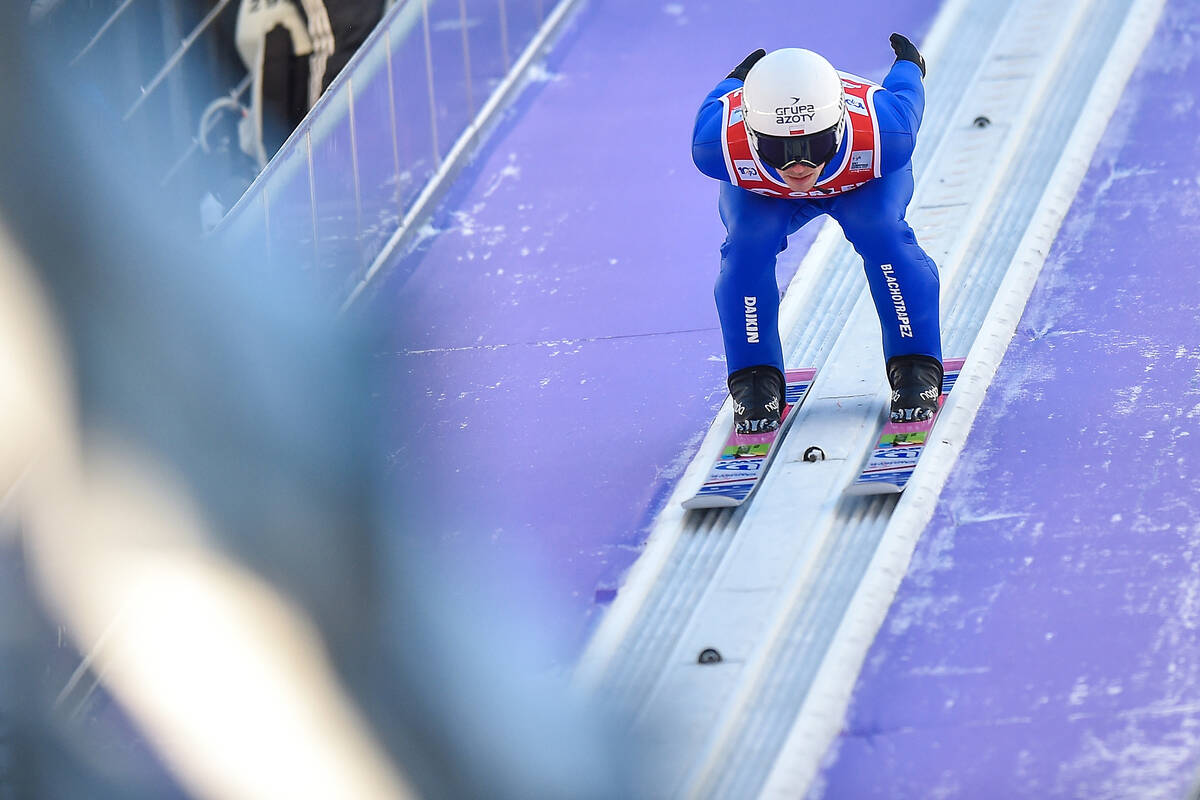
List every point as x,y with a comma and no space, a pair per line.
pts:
150,68
388,135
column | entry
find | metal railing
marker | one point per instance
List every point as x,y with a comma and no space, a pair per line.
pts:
352,183
176,58
124,48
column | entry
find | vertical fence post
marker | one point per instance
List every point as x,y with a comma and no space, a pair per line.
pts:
387,43
358,226
504,36
466,43
312,196
437,154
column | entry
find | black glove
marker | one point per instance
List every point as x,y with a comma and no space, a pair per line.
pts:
907,51
743,69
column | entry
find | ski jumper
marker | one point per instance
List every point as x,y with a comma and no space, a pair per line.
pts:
866,187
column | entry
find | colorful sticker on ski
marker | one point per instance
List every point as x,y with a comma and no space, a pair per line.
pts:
900,446
745,457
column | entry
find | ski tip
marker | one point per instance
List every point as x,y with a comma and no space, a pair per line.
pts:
869,488
802,375
710,501
749,439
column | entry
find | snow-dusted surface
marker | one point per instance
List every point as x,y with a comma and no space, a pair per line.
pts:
1045,642
555,360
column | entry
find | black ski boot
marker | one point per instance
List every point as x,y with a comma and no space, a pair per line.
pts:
757,394
916,385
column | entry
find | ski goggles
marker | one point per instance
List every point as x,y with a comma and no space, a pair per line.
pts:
812,150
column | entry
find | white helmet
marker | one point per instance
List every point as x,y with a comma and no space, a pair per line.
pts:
794,108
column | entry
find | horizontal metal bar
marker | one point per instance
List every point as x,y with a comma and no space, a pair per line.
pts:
108,23
178,55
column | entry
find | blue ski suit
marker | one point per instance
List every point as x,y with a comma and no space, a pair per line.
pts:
902,277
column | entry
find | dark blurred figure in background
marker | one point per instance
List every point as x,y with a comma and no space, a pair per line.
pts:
294,50
204,591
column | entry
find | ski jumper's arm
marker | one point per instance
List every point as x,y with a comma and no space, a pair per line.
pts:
899,107
706,134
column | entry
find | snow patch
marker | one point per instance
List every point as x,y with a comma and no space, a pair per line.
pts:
1133,762
943,671
1115,175
677,467
540,74
509,170
426,232
1129,400
676,10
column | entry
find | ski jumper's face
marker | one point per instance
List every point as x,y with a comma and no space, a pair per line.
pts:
800,178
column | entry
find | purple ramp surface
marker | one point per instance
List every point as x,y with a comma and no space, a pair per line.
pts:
556,358
1046,642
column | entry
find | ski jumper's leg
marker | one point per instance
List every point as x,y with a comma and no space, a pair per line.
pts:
903,278
747,295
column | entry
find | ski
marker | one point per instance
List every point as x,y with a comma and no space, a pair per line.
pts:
900,446
745,457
